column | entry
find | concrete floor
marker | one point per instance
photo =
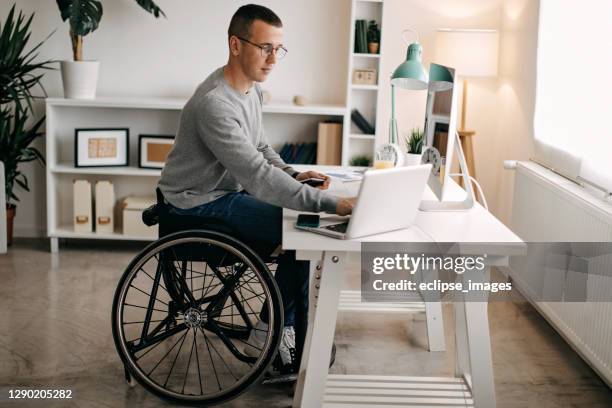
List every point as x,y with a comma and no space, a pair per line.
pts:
55,333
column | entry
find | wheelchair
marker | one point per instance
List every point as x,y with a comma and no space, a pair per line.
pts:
185,307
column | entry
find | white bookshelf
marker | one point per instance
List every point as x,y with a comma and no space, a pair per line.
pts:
284,122
365,98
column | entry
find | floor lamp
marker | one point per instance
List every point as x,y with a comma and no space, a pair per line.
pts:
473,53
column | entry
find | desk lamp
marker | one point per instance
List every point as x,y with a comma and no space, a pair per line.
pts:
408,75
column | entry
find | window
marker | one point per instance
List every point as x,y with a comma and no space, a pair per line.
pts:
573,113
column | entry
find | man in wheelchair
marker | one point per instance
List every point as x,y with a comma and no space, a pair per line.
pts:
221,166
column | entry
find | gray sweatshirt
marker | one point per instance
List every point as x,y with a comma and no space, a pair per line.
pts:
221,148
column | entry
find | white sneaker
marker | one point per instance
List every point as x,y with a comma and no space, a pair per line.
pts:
286,361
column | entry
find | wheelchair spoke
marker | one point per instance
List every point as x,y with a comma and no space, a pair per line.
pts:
150,321
214,328
189,361
148,294
220,356
198,361
159,337
168,352
175,358
143,307
212,362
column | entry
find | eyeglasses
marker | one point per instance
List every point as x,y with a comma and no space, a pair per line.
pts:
267,49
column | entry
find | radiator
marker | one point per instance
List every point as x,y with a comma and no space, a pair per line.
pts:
550,208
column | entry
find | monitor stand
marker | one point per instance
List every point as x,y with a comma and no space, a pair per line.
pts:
440,205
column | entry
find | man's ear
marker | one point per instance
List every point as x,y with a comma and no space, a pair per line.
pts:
234,45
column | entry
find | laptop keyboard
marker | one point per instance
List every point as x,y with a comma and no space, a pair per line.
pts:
341,228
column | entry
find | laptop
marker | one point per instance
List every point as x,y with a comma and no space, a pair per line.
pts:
388,200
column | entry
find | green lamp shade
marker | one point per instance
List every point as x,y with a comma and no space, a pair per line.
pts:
410,74
440,78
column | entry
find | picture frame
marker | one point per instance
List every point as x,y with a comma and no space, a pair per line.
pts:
153,150
101,147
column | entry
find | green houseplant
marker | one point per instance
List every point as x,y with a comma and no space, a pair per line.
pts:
80,78
19,75
360,161
414,146
373,37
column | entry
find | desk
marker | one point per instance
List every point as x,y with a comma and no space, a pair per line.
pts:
473,383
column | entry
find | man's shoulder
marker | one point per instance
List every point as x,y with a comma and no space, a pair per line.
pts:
209,95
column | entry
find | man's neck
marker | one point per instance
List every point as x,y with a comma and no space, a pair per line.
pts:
236,79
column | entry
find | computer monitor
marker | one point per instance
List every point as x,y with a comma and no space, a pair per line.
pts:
440,124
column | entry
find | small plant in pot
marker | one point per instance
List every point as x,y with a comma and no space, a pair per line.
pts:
373,37
414,145
80,77
19,74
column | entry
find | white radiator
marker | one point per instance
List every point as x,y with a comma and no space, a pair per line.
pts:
550,208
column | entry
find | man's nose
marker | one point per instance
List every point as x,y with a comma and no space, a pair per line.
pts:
272,57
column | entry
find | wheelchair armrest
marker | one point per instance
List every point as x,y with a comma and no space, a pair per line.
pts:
150,216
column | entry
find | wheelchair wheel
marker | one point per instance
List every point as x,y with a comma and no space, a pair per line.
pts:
183,312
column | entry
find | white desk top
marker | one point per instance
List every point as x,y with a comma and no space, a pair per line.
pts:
476,225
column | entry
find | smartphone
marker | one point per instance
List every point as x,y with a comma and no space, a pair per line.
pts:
313,182
308,220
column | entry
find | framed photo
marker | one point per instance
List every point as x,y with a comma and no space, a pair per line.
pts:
153,150
101,147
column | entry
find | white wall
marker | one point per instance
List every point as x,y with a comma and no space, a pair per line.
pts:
142,56
515,97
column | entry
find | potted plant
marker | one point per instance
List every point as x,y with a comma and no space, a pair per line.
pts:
414,144
373,37
80,77
20,74
360,161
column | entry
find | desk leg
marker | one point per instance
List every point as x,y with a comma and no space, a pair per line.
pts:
435,326
473,342
324,296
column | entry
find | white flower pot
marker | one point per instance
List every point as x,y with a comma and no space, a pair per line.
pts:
80,79
412,159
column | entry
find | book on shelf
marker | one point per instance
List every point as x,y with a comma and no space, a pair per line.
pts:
299,153
362,122
361,43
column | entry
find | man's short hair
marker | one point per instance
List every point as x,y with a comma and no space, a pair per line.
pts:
240,26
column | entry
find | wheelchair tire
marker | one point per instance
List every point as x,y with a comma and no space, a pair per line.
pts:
162,284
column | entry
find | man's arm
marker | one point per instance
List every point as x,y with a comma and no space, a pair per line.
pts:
274,158
221,132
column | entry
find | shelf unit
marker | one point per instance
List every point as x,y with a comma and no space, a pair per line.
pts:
365,98
284,123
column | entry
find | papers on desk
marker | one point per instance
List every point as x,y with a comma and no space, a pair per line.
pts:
346,175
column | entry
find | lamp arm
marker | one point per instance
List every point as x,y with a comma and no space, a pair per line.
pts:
392,102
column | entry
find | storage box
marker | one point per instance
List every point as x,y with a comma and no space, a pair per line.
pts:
81,198
132,217
329,143
105,203
364,77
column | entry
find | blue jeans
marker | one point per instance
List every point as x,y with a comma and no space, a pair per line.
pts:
256,221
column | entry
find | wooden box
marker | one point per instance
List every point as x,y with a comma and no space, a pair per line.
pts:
329,144
132,217
364,77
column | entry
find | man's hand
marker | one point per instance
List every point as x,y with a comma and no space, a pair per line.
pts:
345,205
314,174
